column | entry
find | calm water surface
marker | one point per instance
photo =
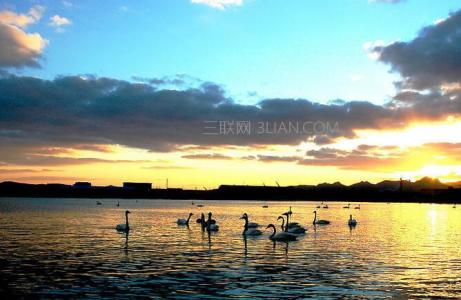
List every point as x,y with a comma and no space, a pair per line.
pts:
69,248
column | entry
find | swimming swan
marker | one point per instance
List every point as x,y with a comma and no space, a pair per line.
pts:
319,222
251,224
184,221
292,229
248,231
124,227
282,236
210,226
352,222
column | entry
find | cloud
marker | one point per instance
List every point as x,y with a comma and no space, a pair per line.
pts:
220,4
17,47
208,156
361,158
430,69
86,113
74,110
16,171
22,20
59,22
275,158
429,61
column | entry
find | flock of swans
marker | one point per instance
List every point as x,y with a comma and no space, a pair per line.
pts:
289,230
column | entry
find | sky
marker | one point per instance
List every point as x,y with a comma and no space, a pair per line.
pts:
209,92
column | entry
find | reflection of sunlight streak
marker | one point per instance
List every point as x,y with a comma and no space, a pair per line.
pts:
432,214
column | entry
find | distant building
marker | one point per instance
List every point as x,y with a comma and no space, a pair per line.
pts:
137,186
82,185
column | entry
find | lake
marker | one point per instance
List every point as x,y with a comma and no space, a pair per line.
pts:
70,248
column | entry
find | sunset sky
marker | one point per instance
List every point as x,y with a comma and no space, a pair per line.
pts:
114,91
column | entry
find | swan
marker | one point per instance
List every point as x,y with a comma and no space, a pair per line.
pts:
251,224
201,220
325,206
357,207
293,229
352,222
247,231
454,206
319,222
282,236
184,221
124,227
210,225
118,204
347,206
290,224
98,203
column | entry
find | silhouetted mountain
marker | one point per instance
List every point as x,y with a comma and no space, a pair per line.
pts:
389,185
455,184
427,183
362,185
335,185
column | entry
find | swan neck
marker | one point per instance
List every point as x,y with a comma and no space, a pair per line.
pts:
288,220
274,231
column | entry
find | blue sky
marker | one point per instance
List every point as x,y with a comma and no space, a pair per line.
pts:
265,48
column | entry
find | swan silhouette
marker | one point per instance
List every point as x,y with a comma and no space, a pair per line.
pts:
124,227
201,219
296,229
249,231
352,222
281,236
288,223
357,207
250,224
347,206
210,226
184,221
319,222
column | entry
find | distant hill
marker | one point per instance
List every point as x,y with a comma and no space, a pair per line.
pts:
428,183
335,185
362,185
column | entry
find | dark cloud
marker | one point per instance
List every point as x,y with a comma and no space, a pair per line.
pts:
431,59
273,158
76,112
430,67
24,156
208,156
322,139
356,159
16,171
